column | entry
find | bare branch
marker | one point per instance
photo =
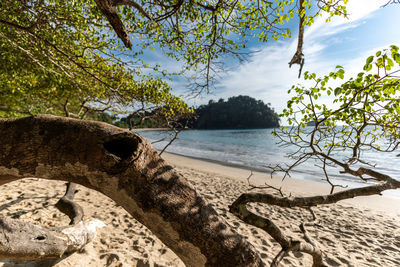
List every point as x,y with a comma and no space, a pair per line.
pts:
175,136
109,10
317,200
68,206
298,57
239,209
391,2
265,186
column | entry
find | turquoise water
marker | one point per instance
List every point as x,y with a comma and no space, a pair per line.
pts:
257,148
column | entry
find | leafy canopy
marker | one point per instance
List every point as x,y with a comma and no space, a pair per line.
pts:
58,57
62,56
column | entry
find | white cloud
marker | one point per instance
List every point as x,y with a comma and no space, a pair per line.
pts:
266,75
356,9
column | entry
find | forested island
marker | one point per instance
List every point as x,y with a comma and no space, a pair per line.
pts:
238,112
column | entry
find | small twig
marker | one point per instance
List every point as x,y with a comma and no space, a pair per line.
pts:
312,213
391,2
279,257
176,132
265,186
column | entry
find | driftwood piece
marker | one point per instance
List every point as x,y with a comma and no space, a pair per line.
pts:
125,167
239,208
27,241
288,244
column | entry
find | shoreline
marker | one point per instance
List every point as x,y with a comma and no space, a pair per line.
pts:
149,129
223,163
358,232
298,187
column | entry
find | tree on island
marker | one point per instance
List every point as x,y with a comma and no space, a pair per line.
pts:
65,51
240,112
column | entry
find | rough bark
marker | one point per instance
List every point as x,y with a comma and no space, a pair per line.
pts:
125,167
109,10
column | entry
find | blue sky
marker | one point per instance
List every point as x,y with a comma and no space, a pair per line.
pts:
346,42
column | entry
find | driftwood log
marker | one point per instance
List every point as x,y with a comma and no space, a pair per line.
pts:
23,240
26,241
126,168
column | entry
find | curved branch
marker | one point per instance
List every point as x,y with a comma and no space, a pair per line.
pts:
67,205
239,209
125,167
287,202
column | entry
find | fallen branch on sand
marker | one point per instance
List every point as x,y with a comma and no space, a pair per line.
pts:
125,167
28,241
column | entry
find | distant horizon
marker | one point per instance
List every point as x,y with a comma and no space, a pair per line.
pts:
346,42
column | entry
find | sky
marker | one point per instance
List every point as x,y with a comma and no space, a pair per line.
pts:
346,42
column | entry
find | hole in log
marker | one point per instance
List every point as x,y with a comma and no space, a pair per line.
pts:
122,147
40,238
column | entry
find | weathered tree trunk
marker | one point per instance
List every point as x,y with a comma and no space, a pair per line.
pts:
125,167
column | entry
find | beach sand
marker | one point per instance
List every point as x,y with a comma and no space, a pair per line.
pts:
359,232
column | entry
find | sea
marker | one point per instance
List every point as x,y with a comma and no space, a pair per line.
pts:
256,149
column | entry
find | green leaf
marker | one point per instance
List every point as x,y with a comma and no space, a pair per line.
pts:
369,60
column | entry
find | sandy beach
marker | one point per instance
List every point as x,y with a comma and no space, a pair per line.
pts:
359,232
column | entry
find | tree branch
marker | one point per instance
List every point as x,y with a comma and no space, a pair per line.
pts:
109,10
124,166
67,205
292,202
239,209
298,57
